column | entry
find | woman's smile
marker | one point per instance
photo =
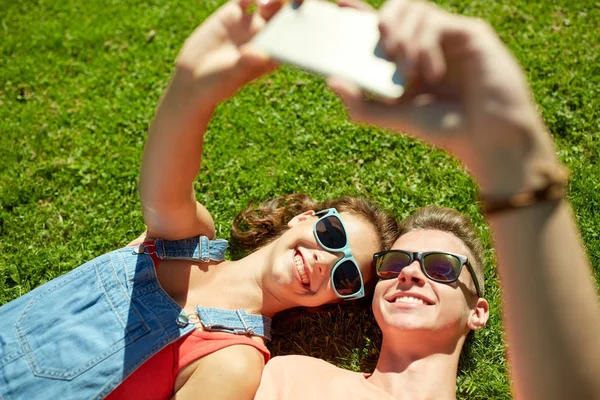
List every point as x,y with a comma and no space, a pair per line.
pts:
301,270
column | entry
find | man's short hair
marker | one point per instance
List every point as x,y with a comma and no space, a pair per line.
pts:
452,221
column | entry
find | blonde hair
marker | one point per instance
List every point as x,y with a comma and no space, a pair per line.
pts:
454,222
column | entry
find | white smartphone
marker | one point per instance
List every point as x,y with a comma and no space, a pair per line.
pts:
333,41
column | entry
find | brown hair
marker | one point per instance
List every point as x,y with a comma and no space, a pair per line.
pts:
257,226
451,221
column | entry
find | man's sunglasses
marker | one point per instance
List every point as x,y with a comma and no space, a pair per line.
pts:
439,266
331,234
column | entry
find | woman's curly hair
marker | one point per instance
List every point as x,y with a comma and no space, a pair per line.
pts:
257,226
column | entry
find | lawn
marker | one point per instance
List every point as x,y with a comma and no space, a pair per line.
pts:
79,82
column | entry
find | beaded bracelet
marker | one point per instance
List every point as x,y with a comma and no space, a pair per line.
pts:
557,178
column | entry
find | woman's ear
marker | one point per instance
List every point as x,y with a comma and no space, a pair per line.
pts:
479,315
300,217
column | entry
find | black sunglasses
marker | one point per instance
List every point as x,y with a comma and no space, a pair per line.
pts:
439,266
346,278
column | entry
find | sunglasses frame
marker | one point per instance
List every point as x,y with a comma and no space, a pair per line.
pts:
419,256
328,212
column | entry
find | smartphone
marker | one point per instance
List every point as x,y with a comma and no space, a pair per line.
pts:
329,40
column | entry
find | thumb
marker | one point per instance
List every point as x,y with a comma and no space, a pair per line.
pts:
363,110
350,94
421,116
253,62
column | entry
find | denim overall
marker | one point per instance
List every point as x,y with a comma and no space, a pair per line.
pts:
80,335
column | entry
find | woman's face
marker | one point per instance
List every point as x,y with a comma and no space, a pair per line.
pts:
301,269
413,302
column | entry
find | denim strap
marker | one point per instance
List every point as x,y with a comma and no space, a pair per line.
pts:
193,249
237,322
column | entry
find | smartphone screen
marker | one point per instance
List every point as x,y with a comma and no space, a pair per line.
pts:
332,41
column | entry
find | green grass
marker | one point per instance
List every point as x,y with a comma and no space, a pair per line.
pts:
79,81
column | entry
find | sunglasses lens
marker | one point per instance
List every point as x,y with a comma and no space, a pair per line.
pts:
331,233
346,278
390,264
441,267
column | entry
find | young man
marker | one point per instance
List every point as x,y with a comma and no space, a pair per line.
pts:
427,302
467,94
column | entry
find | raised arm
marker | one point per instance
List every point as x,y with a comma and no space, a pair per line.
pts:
469,96
213,64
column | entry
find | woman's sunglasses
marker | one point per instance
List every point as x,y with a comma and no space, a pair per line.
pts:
439,266
331,234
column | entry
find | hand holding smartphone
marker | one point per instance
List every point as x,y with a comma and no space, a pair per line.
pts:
332,41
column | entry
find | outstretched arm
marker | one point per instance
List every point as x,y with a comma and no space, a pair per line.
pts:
469,96
212,65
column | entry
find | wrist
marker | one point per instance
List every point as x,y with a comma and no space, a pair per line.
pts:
552,189
520,165
189,95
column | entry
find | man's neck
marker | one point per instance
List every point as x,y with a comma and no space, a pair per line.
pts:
409,371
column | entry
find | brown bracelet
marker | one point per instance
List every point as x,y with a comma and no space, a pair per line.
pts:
557,178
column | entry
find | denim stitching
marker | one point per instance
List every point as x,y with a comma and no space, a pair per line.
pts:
204,248
128,276
153,284
128,299
210,323
241,317
108,297
10,357
37,370
22,337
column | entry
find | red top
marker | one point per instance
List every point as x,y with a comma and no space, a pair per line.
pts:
155,378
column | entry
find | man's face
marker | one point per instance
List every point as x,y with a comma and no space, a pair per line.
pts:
413,302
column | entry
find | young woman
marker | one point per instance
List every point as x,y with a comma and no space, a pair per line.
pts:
167,316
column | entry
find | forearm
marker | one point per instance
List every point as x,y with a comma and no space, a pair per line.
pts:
551,313
173,151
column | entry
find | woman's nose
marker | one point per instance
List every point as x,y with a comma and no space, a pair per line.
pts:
324,261
319,266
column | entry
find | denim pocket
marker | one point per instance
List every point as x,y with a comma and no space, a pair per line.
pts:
78,320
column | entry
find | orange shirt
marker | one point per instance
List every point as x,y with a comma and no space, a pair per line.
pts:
155,378
301,377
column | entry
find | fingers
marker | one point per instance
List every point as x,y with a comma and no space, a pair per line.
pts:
265,8
348,92
430,56
268,8
411,35
356,4
244,4
399,43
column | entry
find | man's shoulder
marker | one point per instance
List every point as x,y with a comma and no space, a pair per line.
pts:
300,361
304,363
